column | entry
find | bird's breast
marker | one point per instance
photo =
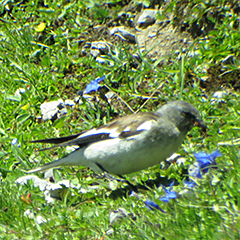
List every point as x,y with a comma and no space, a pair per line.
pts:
122,156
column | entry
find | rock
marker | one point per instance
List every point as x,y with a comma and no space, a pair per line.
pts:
99,47
85,48
101,60
123,33
148,17
69,102
30,214
219,97
53,110
19,92
95,52
37,182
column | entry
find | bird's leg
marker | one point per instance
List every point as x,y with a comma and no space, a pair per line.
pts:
120,179
123,179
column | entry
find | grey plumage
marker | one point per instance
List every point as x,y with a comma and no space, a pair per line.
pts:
130,143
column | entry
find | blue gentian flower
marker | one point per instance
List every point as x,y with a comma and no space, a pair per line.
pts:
190,183
152,205
194,171
14,141
169,194
205,160
94,85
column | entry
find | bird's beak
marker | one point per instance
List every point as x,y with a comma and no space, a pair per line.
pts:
200,123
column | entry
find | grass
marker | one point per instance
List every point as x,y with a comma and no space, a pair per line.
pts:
40,51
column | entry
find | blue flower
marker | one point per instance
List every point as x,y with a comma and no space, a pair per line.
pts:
152,205
169,194
190,183
194,171
94,85
14,141
205,160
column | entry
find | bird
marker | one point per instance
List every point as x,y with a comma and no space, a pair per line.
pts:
130,143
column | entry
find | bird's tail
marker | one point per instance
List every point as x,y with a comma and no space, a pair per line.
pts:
54,164
73,159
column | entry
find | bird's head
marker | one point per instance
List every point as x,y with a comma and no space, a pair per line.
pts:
183,114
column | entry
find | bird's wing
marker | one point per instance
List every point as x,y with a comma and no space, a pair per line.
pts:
124,127
57,140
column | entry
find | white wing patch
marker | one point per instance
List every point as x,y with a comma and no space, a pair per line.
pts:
114,133
94,131
146,125
127,129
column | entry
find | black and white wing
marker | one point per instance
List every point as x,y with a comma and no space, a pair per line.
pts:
124,127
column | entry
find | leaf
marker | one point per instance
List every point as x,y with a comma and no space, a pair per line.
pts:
22,118
40,27
14,98
2,154
232,142
2,131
